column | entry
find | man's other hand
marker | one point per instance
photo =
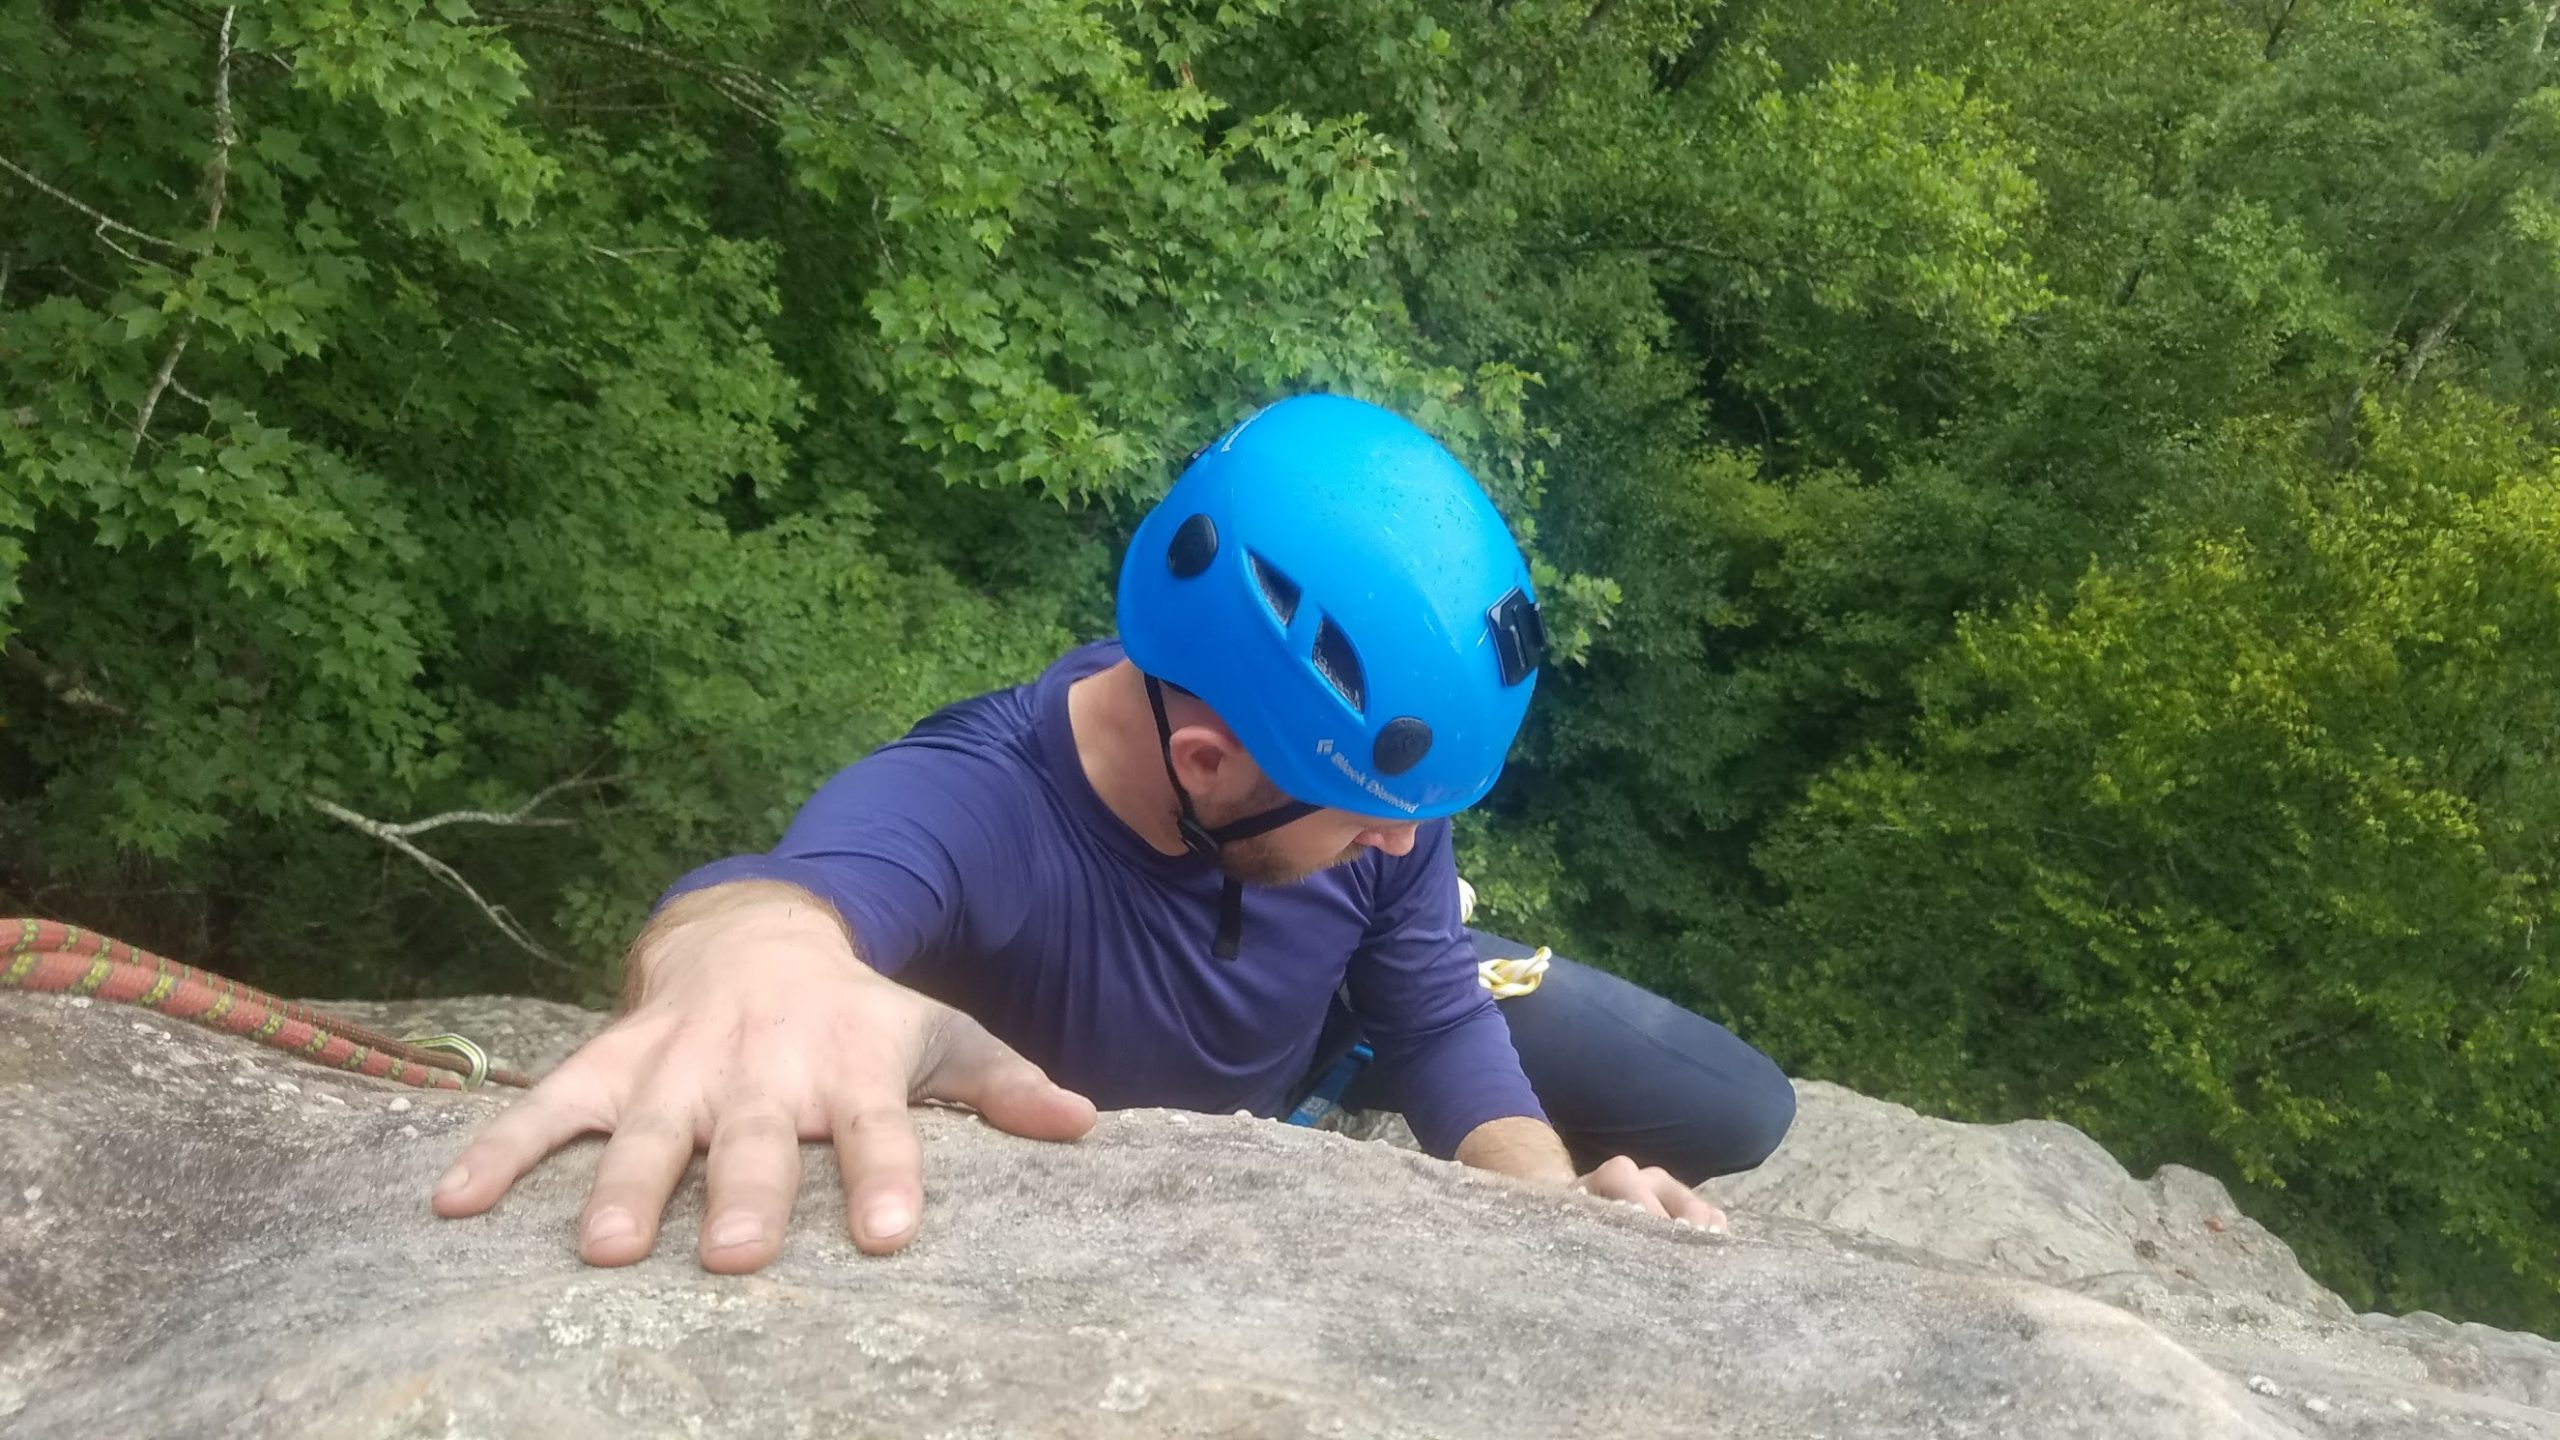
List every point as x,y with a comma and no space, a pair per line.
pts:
1653,1190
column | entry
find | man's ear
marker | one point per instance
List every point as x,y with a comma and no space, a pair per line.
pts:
1206,761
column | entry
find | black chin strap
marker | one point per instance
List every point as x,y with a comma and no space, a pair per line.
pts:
1204,842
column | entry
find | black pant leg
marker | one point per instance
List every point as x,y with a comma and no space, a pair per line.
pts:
1622,1071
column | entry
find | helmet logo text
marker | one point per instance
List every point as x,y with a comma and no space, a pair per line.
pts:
1356,776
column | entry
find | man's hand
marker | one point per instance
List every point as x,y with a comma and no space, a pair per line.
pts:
1652,1189
1531,1150
751,1026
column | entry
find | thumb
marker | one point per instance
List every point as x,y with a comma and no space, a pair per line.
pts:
978,1070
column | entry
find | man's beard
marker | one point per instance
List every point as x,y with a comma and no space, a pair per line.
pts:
1259,861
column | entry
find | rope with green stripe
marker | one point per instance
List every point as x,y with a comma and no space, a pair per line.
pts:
52,957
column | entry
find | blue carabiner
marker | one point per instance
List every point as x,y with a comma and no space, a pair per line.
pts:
1327,1096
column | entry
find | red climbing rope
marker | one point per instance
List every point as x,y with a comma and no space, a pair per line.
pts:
64,959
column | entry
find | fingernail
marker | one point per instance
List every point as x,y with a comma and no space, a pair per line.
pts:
886,1218
610,1225
734,1230
454,1179
1715,1227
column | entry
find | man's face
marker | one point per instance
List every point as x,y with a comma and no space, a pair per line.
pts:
1309,844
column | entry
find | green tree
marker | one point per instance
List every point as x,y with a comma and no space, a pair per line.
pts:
2241,857
646,409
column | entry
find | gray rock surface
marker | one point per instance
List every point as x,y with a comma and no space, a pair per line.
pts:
2044,1202
201,1238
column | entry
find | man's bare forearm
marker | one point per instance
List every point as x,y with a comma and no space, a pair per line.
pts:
739,905
1517,1145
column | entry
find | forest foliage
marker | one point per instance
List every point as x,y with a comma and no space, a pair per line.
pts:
2048,506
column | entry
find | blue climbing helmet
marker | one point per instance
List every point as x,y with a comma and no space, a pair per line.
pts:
1338,589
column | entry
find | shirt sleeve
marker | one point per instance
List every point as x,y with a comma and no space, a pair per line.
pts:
1444,1051
888,842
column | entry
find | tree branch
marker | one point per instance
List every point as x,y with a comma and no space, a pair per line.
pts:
105,221
63,688
151,398
217,177
218,168
2342,427
522,815
2433,337
397,837
2275,33
2132,283
736,83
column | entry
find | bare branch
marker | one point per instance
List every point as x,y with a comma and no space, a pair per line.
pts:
397,838
62,687
217,181
522,815
2275,32
2429,341
610,87
102,237
2342,427
75,279
160,384
200,19
737,84
218,168
105,221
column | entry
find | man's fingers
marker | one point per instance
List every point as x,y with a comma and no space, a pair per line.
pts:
1679,1202
883,1166
1654,1190
519,1139
642,1163
752,1178
980,1071
1616,1179
1699,1213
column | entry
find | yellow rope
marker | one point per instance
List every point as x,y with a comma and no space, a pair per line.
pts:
472,1055
1505,978
1516,976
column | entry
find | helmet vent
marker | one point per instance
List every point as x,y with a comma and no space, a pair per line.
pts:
1400,745
1194,545
1339,664
1278,590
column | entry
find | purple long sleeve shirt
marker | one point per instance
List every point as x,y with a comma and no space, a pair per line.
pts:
973,860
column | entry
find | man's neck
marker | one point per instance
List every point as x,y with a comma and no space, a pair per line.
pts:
1115,735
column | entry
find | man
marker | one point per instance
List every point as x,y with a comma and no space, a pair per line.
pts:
1170,871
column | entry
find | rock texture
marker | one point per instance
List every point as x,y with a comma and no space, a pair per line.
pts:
202,1239
2043,1202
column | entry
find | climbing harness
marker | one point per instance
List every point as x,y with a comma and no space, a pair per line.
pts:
49,956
